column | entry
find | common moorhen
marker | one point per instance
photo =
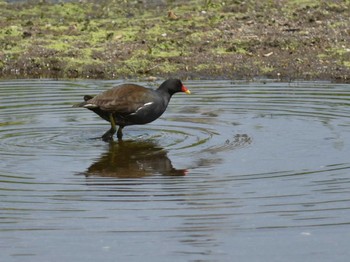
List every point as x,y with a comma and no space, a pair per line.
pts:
130,104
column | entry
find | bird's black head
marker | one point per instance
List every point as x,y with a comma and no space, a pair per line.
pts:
173,86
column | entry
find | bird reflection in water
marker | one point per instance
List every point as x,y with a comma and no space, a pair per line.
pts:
131,159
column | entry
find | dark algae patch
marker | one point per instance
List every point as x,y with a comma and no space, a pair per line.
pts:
294,39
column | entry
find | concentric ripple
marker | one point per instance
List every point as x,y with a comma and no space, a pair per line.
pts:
235,164
213,122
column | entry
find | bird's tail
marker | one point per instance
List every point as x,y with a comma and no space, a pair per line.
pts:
82,104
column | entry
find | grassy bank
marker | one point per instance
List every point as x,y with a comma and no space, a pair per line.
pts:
287,39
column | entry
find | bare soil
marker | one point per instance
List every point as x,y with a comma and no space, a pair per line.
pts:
279,39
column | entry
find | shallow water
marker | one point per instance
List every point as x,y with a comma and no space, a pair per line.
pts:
234,172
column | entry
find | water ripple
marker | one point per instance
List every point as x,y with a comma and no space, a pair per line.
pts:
232,159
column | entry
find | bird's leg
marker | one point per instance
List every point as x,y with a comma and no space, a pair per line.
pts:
120,132
108,136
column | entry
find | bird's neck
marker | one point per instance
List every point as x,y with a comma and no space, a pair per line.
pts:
164,93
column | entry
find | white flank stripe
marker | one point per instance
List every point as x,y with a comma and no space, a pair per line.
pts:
147,104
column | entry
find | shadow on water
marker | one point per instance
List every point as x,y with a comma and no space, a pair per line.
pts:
133,159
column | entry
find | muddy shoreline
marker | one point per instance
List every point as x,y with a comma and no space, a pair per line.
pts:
286,40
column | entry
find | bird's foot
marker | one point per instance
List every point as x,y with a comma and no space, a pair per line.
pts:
108,136
120,136
120,133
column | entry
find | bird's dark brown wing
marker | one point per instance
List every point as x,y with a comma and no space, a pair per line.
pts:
123,99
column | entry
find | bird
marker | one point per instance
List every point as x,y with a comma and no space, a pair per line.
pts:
131,104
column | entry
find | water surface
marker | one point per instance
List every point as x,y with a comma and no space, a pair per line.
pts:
250,171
